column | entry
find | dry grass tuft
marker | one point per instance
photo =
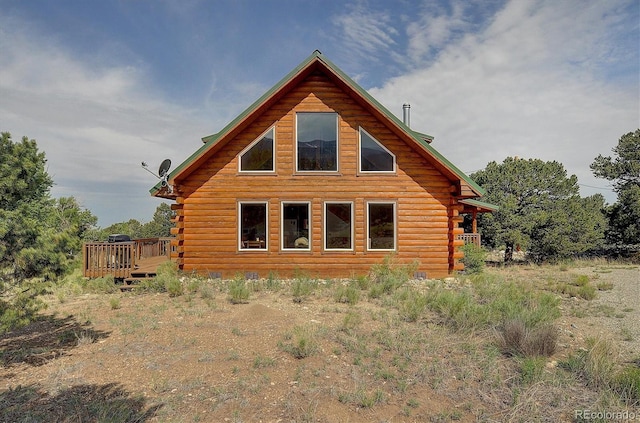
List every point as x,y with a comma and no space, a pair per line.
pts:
516,339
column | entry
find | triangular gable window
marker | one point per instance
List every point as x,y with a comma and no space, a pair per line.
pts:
374,157
259,155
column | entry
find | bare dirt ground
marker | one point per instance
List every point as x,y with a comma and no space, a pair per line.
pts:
147,357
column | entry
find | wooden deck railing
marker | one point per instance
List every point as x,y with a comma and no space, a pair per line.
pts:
118,259
470,239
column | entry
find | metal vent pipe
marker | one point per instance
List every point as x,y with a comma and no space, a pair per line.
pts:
406,114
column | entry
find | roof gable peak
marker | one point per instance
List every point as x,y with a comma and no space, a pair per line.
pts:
306,68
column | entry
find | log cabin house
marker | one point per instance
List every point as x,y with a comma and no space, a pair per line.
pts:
317,176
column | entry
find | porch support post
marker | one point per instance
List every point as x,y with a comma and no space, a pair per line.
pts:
474,222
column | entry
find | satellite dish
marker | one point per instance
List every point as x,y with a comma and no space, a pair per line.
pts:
163,173
164,168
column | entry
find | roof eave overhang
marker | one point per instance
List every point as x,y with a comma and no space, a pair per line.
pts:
478,206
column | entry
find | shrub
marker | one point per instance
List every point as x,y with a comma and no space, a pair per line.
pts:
166,280
627,384
351,321
302,287
151,285
605,286
474,258
388,276
594,364
587,292
410,304
114,302
348,294
104,285
302,343
531,369
581,280
273,282
238,291
173,286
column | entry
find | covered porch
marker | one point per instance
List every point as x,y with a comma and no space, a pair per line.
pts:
472,208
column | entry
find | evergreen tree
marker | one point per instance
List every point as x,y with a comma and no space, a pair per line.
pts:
624,171
39,237
540,210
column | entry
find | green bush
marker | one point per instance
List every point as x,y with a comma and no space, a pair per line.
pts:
302,343
104,285
238,291
302,287
168,277
114,302
411,304
173,286
349,294
388,276
627,384
531,369
474,258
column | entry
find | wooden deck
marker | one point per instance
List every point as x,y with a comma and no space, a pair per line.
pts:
125,261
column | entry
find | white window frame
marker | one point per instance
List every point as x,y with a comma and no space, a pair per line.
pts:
361,130
253,143
297,163
241,246
283,226
351,224
395,225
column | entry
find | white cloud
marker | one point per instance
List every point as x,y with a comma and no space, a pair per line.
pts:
95,123
435,28
366,31
530,85
366,35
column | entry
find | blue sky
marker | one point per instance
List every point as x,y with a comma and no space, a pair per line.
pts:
103,85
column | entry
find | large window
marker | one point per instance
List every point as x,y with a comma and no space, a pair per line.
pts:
253,225
295,226
317,142
338,226
374,157
258,156
381,226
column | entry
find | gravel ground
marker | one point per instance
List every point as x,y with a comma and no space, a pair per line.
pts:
614,314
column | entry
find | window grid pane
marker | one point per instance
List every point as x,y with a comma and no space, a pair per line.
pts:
317,142
338,226
259,157
295,226
381,226
253,226
373,156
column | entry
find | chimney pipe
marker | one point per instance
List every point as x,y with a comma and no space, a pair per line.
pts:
406,114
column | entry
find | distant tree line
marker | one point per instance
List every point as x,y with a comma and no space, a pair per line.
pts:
159,226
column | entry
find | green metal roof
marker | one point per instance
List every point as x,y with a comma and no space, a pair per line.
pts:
420,139
480,204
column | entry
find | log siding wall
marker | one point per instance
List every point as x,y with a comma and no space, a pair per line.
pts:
207,211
